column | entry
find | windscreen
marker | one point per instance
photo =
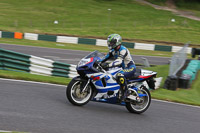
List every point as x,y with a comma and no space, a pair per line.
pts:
95,54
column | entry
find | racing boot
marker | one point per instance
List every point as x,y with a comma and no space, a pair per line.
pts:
121,80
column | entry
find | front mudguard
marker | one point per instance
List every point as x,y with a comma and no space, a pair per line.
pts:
78,78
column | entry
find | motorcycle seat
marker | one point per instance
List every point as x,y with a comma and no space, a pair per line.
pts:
136,75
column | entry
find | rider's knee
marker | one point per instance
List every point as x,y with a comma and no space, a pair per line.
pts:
120,79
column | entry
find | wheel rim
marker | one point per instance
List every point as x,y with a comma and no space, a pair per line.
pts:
140,106
79,97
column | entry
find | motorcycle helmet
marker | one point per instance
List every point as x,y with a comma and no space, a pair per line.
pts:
113,41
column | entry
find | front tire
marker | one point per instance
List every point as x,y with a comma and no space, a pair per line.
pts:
143,105
74,94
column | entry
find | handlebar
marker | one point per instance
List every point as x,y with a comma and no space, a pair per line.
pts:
98,64
102,68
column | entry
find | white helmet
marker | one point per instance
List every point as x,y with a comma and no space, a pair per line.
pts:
114,40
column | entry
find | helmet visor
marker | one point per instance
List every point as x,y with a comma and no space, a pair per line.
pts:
112,43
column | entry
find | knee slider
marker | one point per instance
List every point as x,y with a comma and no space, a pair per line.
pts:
120,79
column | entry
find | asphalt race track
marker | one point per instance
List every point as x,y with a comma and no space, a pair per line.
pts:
43,108
73,56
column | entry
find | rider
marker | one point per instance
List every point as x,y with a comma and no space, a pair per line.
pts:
122,59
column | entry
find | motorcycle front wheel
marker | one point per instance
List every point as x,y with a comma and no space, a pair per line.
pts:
141,106
76,96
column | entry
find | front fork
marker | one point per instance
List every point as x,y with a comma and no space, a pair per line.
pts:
83,90
84,83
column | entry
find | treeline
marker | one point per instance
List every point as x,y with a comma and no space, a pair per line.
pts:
186,1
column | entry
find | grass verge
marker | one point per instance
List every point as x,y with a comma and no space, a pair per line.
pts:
97,18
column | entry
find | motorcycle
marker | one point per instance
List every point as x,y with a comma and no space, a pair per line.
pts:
97,84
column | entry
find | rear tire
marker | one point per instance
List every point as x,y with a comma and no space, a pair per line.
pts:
74,95
140,107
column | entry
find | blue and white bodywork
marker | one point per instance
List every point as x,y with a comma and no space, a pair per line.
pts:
95,83
109,85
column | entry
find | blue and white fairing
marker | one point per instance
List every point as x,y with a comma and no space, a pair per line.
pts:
109,85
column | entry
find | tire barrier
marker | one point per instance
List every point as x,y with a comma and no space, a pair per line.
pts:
14,61
171,83
189,74
195,52
98,42
185,78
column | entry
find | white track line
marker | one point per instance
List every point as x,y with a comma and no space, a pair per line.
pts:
23,81
34,82
176,103
3,131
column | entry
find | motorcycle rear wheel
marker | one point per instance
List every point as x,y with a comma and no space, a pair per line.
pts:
74,94
140,107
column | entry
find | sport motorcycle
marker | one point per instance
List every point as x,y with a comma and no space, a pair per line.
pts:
97,84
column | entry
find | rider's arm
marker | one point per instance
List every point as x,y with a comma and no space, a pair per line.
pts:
118,62
105,58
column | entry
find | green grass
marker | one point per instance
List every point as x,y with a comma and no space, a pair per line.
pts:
189,96
197,13
92,18
192,6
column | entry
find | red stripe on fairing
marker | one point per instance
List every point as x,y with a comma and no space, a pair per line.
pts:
91,60
145,77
